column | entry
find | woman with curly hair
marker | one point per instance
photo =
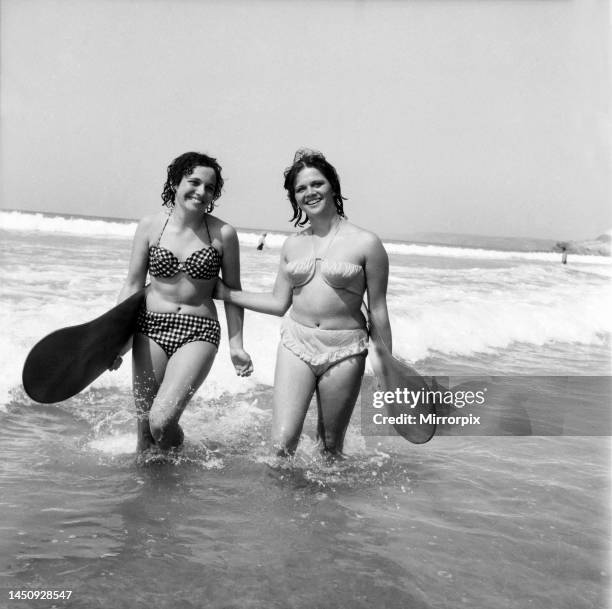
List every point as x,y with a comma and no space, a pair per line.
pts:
324,272
182,248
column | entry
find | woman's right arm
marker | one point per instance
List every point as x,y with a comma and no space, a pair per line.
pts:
139,261
276,302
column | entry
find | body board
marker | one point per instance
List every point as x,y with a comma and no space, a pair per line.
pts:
68,360
391,374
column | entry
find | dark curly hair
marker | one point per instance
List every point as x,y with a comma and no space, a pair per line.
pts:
303,158
183,166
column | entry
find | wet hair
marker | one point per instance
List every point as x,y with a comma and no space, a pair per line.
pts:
183,166
303,158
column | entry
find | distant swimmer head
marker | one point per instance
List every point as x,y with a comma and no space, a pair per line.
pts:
184,166
305,158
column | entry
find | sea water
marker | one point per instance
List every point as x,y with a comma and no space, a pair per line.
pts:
474,521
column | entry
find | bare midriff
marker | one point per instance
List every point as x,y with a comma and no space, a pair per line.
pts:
319,305
182,294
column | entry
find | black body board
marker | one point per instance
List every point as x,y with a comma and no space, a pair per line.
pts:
66,361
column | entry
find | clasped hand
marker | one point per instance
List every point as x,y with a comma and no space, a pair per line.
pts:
242,362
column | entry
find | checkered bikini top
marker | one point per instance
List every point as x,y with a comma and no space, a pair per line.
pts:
201,264
335,273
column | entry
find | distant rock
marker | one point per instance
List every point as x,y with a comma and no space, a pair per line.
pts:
591,247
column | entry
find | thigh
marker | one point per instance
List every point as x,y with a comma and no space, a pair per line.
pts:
294,385
148,367
337,392
185,372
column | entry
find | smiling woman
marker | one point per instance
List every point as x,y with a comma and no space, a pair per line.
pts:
183,249
323,274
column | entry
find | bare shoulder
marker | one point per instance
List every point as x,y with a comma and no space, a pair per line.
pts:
220,227
152,224
294,244
224,238
366,239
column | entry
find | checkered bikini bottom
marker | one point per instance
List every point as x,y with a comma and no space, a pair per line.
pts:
173,330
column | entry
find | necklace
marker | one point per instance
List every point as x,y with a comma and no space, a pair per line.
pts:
329,242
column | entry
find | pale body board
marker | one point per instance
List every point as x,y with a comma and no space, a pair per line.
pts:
392,374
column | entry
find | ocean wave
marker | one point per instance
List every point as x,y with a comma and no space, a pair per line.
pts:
451,324
94,227
100,227
474,326
442,251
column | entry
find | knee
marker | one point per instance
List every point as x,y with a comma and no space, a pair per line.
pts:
162,428
157,426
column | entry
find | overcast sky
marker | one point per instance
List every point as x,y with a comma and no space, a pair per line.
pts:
468,116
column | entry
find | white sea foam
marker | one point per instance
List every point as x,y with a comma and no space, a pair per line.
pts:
485,310
94,227
20,221
34,318
467,327
437,251
436,308
115,444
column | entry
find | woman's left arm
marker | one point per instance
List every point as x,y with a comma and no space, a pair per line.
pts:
230,272
377,276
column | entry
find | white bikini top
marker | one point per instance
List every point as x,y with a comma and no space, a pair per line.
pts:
336,273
